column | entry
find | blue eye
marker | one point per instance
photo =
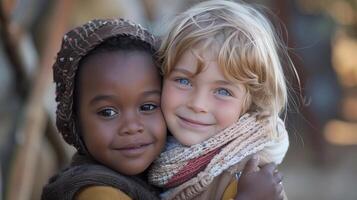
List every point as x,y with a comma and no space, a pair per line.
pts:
223,92
183,81
148,107
108,113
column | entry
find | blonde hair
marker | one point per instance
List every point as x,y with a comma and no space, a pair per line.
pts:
246,45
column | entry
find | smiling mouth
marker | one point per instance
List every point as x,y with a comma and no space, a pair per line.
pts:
133,146
194,123
133,150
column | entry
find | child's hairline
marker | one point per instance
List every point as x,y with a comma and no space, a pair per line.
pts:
99,49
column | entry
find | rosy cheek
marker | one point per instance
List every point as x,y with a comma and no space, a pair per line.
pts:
226,115
171,96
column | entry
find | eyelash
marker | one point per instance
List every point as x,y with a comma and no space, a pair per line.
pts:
226,90
110,113
179,81
152,107
188,84
104,113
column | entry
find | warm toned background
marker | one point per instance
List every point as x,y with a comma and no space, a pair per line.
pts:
322,34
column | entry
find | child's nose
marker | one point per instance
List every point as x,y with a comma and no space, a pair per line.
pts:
131,124
198,102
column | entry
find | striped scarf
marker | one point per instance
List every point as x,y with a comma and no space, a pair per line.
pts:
189,170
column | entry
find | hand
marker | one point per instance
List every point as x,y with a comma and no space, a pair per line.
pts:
262,184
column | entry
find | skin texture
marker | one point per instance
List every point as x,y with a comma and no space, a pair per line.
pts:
198,106
260,183
119,108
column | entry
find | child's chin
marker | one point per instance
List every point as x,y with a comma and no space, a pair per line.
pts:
191,142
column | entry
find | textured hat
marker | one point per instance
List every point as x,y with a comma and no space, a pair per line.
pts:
77,43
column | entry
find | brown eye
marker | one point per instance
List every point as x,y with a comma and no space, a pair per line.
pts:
148,107
108,113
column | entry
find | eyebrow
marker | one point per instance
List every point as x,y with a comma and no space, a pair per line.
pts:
224,82
184,71
221,82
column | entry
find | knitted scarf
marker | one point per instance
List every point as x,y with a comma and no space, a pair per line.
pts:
188,170
85,172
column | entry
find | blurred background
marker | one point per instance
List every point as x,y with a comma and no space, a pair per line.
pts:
322,35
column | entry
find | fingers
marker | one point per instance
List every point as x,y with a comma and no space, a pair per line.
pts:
251,165
264,182
278,177
270,167
279,190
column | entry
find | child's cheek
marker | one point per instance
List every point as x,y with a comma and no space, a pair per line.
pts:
156,124
156,127
171,96
226,113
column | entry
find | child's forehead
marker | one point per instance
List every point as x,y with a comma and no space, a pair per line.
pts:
121,68
195,60
205,51
128,64
200,59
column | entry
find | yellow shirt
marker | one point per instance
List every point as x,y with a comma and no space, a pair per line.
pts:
102,193
231,191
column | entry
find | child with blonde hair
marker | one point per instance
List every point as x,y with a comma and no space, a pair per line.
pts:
223,92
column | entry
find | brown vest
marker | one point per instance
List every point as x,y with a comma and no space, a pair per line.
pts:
84,172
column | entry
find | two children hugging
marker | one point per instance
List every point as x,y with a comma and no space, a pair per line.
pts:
223,90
